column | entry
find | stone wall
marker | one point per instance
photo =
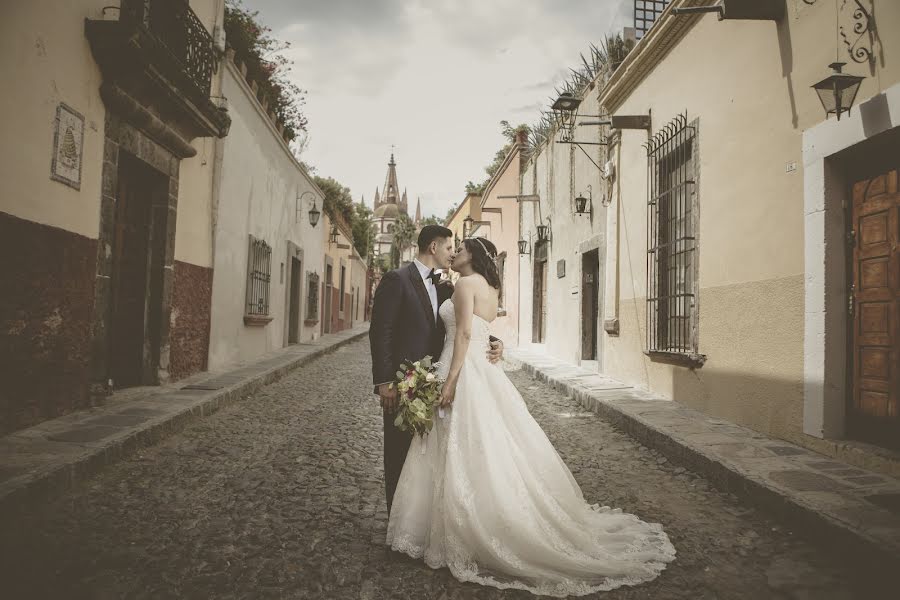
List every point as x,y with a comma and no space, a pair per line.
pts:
47,278
190,320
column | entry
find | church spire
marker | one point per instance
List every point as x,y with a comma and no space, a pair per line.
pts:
391,188
404,205
418,209
377,199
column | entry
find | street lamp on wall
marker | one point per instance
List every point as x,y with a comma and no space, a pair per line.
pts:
585,206
543,232
313,212
332,239
468,223
523,247
837,91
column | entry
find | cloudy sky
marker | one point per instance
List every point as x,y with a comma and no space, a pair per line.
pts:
431,77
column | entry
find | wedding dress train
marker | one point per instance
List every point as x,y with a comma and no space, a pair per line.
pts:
486,495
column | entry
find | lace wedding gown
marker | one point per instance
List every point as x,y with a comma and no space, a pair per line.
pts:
487,495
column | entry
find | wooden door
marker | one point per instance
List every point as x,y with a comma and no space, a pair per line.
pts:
874,304
130,268
294,315
326,300
543,296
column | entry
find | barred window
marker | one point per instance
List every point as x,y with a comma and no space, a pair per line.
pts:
312,296
259,276
671,241
646,13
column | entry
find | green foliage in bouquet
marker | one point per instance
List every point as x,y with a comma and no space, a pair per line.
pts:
418,392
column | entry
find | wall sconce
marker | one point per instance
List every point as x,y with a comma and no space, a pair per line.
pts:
543,232
523,247
585,206
332,239
314,212
837,91
468,223
567,102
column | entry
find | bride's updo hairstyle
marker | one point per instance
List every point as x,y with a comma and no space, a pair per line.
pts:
484,259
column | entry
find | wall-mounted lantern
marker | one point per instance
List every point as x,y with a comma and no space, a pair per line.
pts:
314,212
523,247
332,239
543,231
837,91
585,205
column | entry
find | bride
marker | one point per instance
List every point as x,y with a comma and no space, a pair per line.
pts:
485,493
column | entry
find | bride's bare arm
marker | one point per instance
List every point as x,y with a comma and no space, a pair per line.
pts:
464,306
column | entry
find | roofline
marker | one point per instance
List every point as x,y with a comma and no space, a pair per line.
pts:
516,148
458,208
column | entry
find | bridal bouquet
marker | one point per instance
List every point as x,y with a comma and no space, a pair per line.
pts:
418,392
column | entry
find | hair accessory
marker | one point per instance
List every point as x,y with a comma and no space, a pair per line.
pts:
493,259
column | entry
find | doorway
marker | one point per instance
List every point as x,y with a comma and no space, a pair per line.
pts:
137,274
590,309
294,307
326,299
873,405
539,320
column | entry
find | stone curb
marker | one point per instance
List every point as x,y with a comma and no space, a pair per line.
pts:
55,480
728,478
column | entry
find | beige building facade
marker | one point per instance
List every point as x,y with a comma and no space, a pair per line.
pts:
105,210
268,254
748,239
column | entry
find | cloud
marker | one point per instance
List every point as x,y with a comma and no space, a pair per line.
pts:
433,77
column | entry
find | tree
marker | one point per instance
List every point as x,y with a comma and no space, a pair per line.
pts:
266,65
404,236
432,220
363,230
452,210
509,132
337,198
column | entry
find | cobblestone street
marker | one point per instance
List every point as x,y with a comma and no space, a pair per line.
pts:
281,496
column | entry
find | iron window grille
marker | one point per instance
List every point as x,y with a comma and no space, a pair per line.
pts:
671,241
646,13
312,296
259,277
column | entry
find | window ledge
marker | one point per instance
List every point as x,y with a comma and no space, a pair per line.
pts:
257,320
692,361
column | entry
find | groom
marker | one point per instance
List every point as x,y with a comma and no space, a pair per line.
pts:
406,326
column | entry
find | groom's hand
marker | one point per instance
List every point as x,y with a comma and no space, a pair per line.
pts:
495,353
387,393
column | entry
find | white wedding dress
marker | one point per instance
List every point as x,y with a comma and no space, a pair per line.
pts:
487,495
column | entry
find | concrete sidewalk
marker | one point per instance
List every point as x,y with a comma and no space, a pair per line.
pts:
826,498
49,458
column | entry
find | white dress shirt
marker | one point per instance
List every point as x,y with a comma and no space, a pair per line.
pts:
429,286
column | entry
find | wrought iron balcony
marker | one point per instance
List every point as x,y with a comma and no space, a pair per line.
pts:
158,60
177,27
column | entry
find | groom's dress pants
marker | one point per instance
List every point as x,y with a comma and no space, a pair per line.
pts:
396,445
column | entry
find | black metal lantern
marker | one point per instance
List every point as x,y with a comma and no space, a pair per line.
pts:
543,232
468,222
523,247
566,102
581,203
838,91
334,234
314,214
